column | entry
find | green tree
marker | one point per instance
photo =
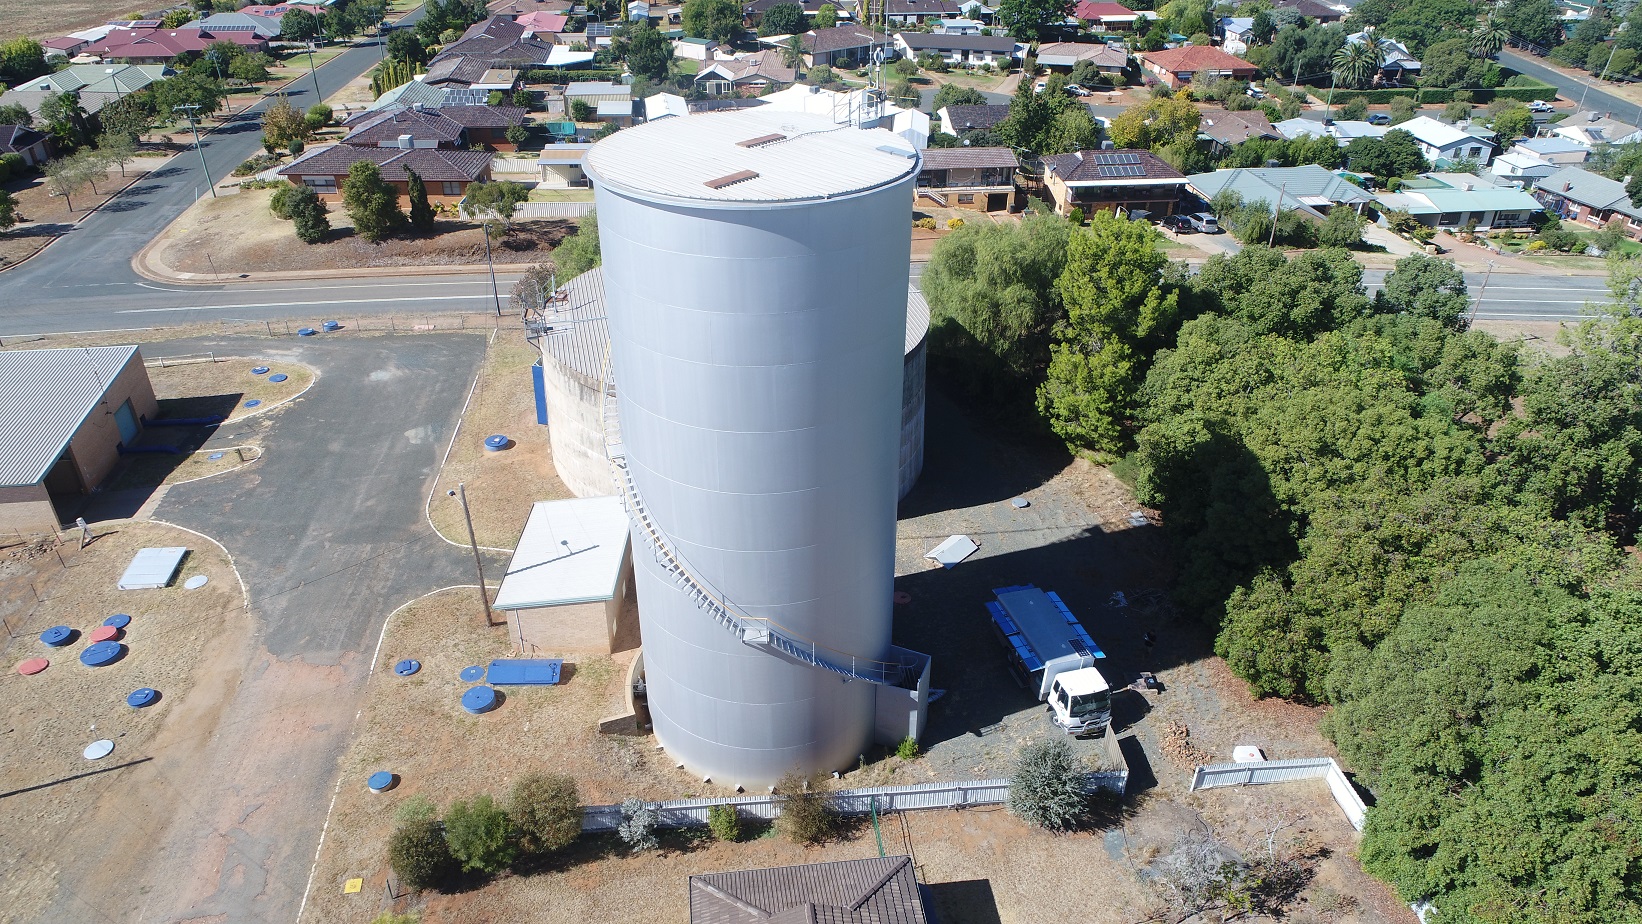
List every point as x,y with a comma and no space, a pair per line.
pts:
186,90
419,854
495,202
250,68
308,213
1030,20
1394,154
1488,38
1427,287
581,111
1538,21
65,119
1513,122
806,815
421,213
1296,298
718,20
403,45
1158,123
546,810
648,53
792,53
16,114
117,149
826,17
1073,129
782,19
1450,63
1356,63
1117,310
284,126
1342,228
579,252
371,203
298,26
480,835
953,95
22,59
8,210
1046,789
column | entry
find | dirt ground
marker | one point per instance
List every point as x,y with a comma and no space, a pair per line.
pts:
223,385
49,20
45,217
237,234
500,485
1536,336
48,788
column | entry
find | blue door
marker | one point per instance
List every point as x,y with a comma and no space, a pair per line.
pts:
126,419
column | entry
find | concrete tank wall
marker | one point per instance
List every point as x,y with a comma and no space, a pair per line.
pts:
575,429
759,358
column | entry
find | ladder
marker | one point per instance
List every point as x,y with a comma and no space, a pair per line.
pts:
753,631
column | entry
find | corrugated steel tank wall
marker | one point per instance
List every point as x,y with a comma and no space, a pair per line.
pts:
759,363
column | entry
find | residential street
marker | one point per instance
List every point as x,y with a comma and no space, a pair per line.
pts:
1571,89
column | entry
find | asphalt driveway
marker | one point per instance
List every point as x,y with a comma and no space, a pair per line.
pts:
329,534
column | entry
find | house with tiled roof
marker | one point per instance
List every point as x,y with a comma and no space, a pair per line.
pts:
443,127
64,46
1122,180
1223,130
848,42
1110,17
1175,67
1311,9
1575,194
543,22
446,172
490,54
913,12
995,50
873,890
745,75
162,46
1061,57
955,120
982,179
417,93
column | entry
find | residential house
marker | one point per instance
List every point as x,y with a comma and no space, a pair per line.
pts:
1311,9
445,127
277,11
1110,17
66,416
97,84
840,45
1520,168
959,27
490,54
561,164
750,11
25,142
1113,180
1576,194
969,178
64,46
1175,67
543,23
1309,189
1460,200
978,10
1397,65
747,75
265,27
695,49
1236,33
161,46
447,173
416,93
994,50
1440,141
878,889
955,120
1350,130
1061,57
913,12
1224,129
594,92
1559,151
1593,129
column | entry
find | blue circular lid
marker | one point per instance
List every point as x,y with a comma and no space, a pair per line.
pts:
142,697
278,377
407,667
259,370
57,636
330,325
101,653
254,402
380,780
496,441
470,674
216,455
305,332
118,621
479,699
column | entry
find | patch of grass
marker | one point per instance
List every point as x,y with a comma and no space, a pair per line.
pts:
221,387
561,195
145,471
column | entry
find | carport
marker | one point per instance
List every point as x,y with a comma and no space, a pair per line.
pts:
66,416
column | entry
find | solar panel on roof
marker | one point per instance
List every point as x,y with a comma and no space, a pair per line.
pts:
1121,171
1108,160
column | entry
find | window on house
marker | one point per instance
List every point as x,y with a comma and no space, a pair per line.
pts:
1449,218
966,199
321,184
452,189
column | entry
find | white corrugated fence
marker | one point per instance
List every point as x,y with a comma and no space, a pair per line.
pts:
1284,771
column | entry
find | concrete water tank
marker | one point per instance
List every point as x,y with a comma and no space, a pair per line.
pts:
755,275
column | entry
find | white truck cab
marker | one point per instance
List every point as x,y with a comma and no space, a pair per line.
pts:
1080,702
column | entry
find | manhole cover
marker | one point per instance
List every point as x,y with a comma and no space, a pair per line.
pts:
97,750
195,582
142,697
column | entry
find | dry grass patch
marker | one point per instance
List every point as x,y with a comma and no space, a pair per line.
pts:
145,471
50,717
500,485
44,217
223,385
49,20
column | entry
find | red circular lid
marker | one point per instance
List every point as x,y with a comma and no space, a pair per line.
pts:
32,666
104,634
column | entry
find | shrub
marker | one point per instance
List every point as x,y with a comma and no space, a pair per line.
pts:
907,749
256,164
13,164
580,111
1047,788
318,116
953,224
1354,110
388,917
516,135
638,825
806,817
1075,216
725,822
419,854
1535,246
546,810
416,808
480,835
309,214
280,204
928,224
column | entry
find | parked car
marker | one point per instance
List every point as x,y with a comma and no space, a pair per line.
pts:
1040,86
1255,92
1540,105
1379,118
1205,222
1077,90
1179,224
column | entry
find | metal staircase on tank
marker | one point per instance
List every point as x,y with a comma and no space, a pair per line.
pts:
753,631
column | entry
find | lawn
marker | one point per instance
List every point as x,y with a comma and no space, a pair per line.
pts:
561,195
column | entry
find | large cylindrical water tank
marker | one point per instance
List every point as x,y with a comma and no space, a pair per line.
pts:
755,271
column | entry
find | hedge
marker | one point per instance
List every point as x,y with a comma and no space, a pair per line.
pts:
1372,97
1479,96
556,76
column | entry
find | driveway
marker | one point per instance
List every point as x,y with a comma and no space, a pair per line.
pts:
328,532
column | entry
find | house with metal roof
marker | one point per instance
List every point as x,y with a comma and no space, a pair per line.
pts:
1124,181
982,179
874,890
118,79
1396,62
1559,151
265,27
1440,141
1575,194
1461,200
66,416
1063,56
1310,188
1592,129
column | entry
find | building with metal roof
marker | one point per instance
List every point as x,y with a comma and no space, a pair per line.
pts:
1460,200
66,416
1574,194
969,178
1307,188
569,585
874,890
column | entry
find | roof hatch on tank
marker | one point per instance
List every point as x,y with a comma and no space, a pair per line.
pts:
730,179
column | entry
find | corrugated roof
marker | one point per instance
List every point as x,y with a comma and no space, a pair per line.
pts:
1266,184
675,158
875,890
570,552
49,393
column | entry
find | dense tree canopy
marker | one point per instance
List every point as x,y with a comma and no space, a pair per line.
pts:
718,20
1394,154
1029,20
782,19
1538,21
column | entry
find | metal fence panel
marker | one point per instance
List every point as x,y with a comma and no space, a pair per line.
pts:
1283,771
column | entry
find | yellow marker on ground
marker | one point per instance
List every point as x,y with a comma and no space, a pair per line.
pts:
352,886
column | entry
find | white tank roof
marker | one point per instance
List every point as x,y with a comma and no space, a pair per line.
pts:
750,156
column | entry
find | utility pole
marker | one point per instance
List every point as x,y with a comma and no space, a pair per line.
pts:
1272,242
1484,291
478,563
495,295
190,108
318,97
